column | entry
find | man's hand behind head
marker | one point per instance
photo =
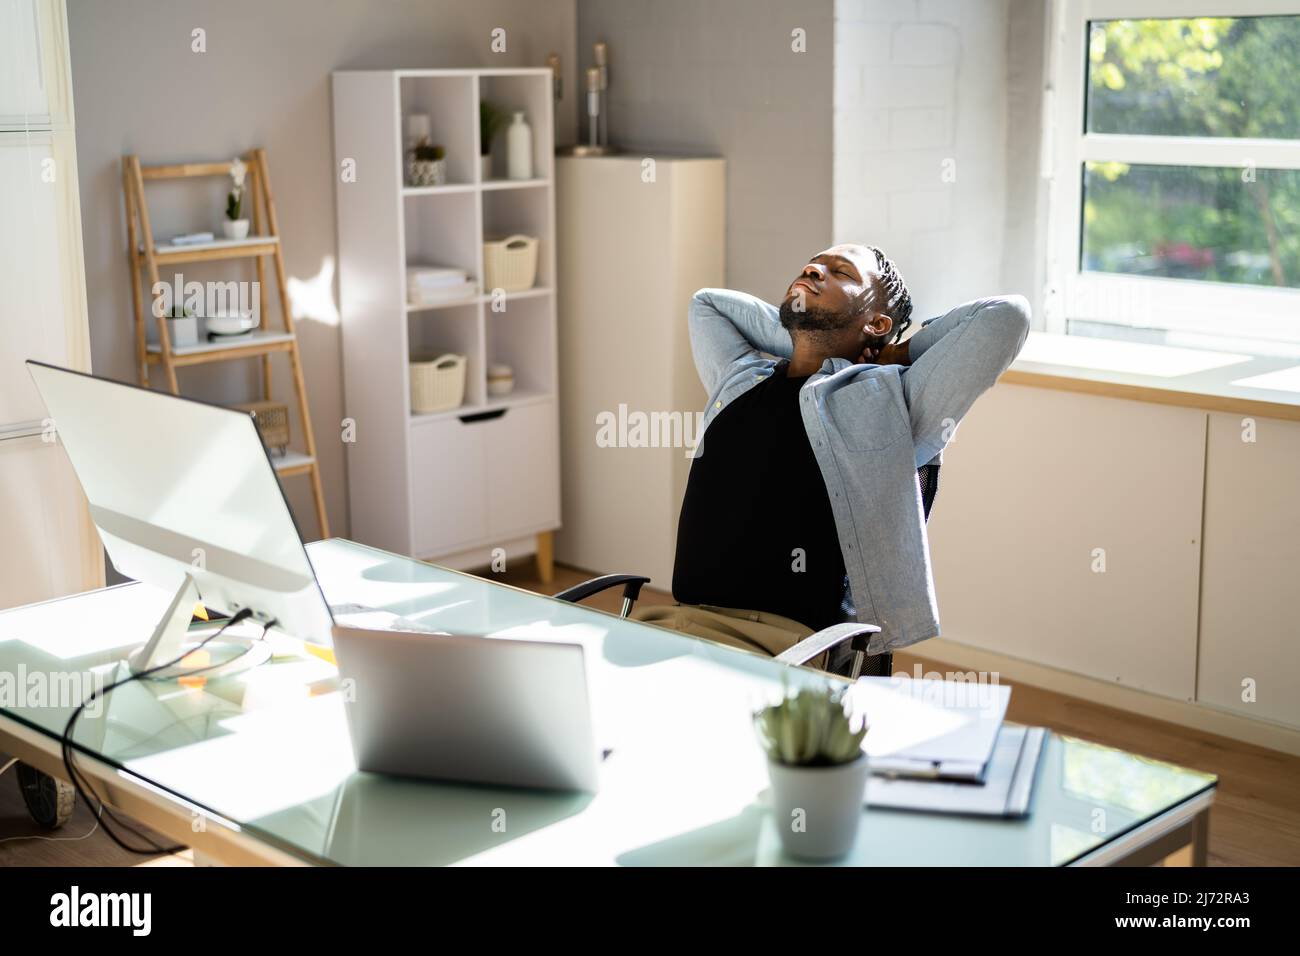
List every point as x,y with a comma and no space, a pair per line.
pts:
894,353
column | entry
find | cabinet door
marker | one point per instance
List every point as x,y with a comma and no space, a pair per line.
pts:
1250,628
1067,532
448,486
522,470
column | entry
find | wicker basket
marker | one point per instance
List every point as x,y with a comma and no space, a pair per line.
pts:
272,421
510,264
437,382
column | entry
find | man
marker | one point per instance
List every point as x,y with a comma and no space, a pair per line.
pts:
806,475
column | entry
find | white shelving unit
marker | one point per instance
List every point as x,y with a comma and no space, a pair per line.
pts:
454,485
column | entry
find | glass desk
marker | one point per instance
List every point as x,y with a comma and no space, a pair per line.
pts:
257,767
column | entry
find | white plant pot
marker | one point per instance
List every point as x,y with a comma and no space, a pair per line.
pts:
235,228
817,810
427,172
183,332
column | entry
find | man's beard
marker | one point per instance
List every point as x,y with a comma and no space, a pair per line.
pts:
810,318
816,325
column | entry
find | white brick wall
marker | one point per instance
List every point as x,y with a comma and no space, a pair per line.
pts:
920,90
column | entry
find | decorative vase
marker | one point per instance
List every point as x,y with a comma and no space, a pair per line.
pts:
519,148
427,172
235,228
485,167
817,809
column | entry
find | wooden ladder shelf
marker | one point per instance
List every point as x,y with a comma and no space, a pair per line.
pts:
145,256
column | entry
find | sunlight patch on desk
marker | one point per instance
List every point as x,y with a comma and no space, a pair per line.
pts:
116,624
281,758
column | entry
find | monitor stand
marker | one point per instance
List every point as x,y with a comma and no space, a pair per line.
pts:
171,642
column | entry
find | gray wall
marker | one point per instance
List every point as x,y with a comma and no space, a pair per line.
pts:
719,77
264,80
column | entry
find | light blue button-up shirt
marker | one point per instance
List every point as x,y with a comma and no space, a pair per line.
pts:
871,427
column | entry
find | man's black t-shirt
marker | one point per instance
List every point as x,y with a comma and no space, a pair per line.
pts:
756,528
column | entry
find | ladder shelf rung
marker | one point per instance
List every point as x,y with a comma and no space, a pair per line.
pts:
259,343
167,253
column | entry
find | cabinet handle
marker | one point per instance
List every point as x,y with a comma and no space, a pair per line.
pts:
483,416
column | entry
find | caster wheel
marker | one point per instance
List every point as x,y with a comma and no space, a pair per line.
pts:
48,799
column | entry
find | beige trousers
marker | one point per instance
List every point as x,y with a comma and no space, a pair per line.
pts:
758,631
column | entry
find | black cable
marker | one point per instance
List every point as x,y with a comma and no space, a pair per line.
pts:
75,776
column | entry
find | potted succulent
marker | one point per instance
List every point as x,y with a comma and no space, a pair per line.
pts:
491,120
818,770
234,225
182,327
428,165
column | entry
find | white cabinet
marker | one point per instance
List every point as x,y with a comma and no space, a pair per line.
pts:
490,477
448,485
1067,532
1250,620
632,253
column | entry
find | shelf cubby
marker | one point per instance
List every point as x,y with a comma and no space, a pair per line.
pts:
526,212
518,337
449,103
442,229
514,91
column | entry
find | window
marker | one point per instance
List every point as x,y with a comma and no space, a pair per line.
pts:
1175,165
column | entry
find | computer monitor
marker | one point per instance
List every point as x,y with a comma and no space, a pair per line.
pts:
185,498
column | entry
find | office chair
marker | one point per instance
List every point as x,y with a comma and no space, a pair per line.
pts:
856,635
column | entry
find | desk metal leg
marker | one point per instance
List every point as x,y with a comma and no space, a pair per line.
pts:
1201,838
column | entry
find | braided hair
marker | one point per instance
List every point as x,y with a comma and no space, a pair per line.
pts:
896,300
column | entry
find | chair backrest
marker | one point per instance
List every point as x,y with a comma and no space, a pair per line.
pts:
928,476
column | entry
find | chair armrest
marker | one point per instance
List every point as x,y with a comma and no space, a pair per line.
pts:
827,638
631,591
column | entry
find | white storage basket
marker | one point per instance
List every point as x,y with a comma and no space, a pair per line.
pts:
509,264
437,382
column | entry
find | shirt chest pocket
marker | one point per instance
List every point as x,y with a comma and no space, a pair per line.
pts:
867,416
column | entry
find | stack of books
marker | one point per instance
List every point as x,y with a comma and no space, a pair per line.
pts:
432,285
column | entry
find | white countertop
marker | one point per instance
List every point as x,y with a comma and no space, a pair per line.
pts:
1169,374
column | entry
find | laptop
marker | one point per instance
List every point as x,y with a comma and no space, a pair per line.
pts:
468,708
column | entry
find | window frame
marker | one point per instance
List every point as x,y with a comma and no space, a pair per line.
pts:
1222,310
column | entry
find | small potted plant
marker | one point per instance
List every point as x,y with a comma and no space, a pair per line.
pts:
428,165
491,120
818,771
182,327
234,225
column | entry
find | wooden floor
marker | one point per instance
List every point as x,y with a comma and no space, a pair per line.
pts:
1255,821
